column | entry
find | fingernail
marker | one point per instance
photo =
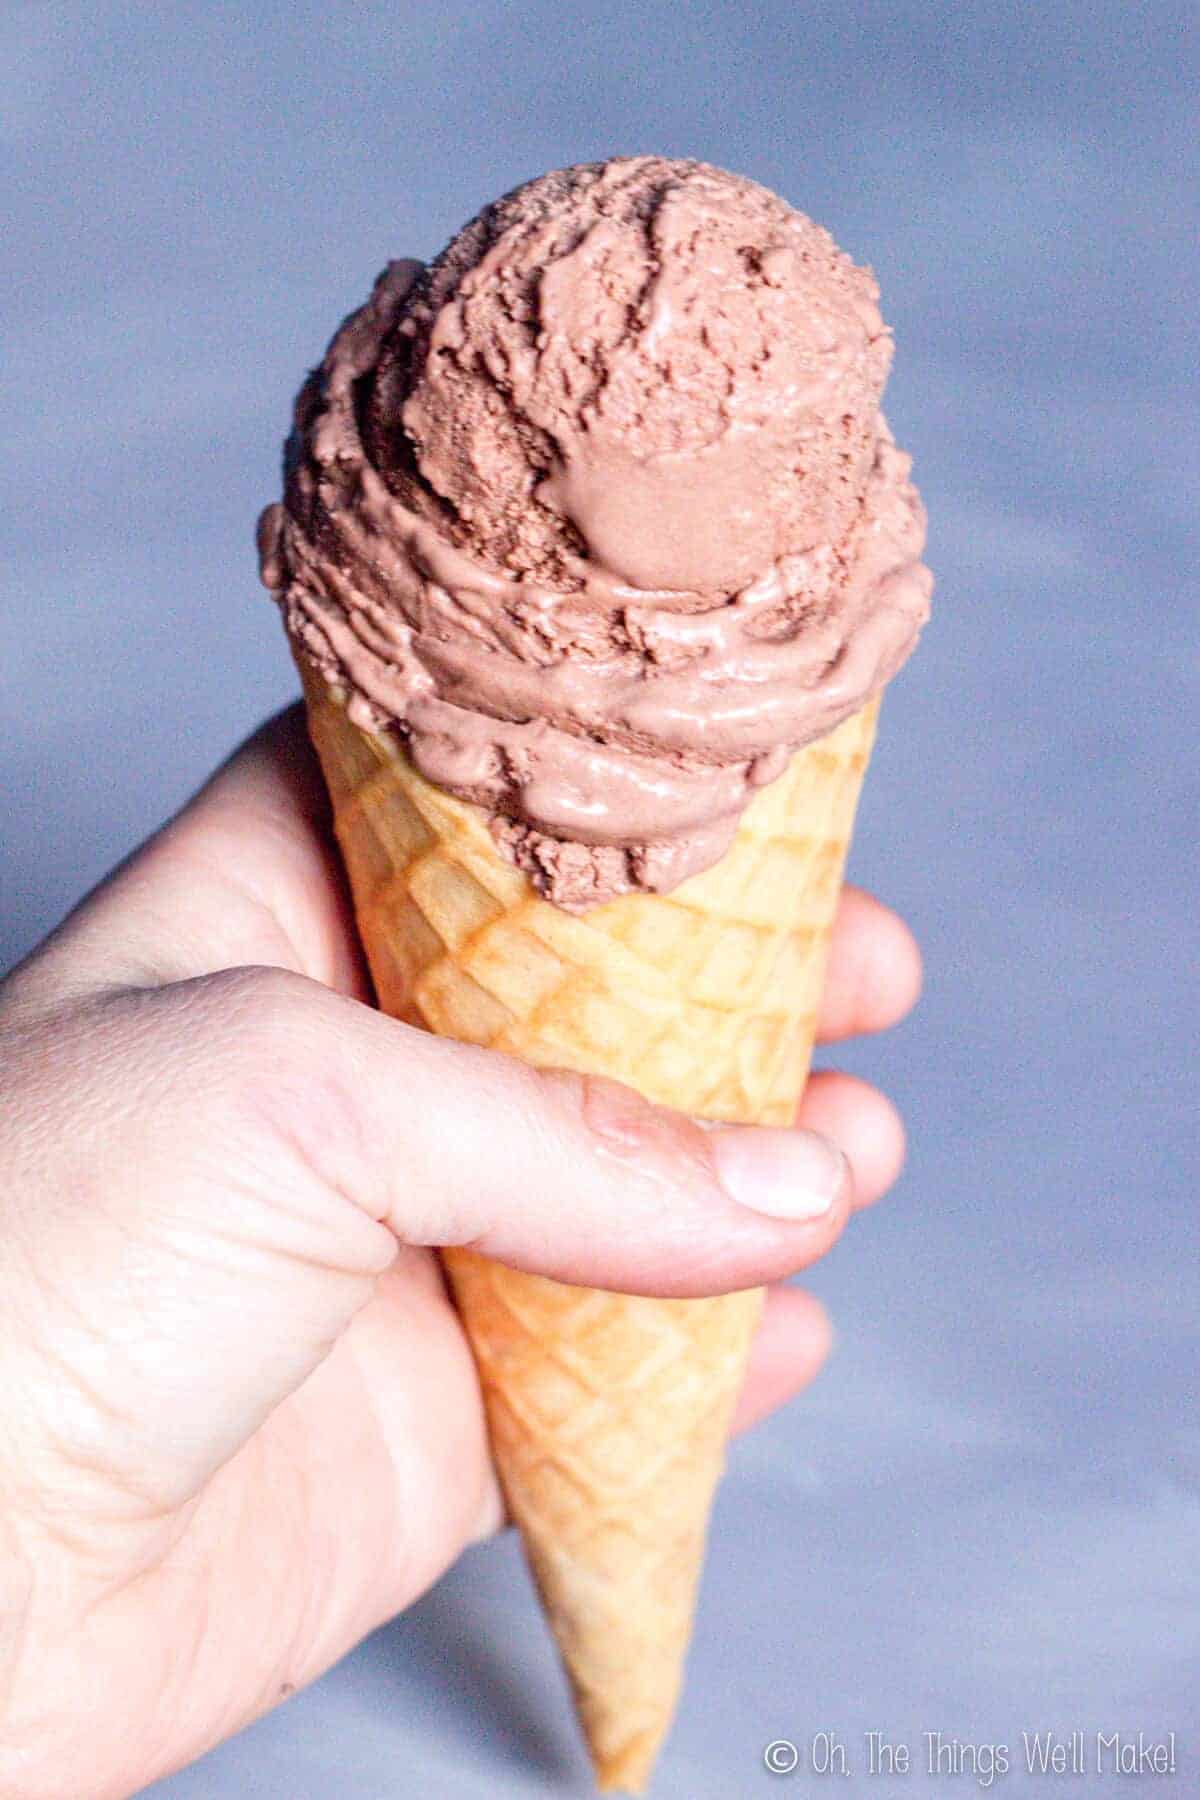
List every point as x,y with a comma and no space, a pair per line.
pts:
784,1174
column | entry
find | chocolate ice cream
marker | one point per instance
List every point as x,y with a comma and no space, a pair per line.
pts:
600,513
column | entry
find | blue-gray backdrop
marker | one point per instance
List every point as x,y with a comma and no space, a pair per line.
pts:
986,1515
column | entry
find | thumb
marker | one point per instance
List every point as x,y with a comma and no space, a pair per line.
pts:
216,1172
567,1175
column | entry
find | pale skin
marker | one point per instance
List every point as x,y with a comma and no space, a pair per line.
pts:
241,1426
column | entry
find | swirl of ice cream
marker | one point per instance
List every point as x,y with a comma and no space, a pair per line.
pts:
600,513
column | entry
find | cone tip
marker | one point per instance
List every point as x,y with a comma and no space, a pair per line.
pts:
630,1769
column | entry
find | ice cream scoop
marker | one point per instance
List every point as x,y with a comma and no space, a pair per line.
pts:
599,513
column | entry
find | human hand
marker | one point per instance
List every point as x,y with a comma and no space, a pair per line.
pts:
241,1425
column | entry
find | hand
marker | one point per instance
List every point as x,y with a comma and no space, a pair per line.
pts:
241,1426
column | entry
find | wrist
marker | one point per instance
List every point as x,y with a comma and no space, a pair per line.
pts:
52,1672
27,1723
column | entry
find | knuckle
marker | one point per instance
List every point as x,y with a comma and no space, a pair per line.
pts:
256,991
649,1139
287,1077
252,1044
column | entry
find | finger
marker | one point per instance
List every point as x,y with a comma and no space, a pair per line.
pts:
864,1122
269,806
874,973
450,1144
568,1176
247,872
791,1344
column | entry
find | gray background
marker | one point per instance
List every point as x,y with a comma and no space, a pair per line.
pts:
986,1515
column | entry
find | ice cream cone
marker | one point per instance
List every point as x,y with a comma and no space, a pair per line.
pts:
608,1413
596,519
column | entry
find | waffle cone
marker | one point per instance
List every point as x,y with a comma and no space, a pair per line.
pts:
608,1413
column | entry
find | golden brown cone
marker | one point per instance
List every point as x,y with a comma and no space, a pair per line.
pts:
608,1413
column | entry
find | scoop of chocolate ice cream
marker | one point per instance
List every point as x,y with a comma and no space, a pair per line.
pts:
600,514
654,365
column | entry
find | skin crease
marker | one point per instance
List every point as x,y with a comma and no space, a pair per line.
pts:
242,1426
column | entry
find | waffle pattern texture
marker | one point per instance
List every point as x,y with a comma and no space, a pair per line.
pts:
608,1413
